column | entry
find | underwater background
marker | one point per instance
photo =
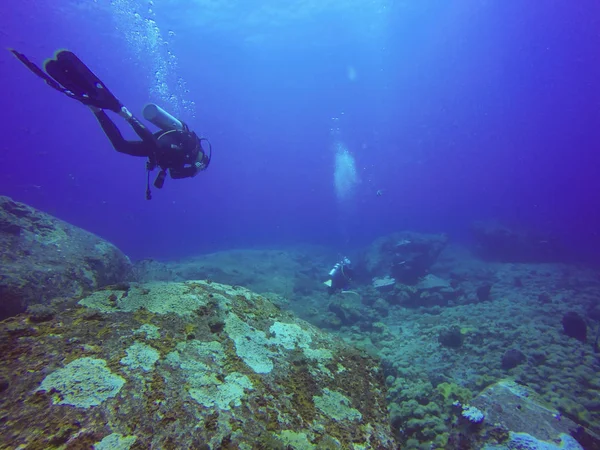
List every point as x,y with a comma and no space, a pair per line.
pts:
456,111
449,149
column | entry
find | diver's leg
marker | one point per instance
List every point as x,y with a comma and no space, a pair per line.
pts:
134,148
140,129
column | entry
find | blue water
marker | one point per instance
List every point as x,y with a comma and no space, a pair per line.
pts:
455,111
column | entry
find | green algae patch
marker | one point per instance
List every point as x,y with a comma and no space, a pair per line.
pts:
235,373
336,406
297,441
452,392
222,394
158,298
289,336
151,331
83,383
115,441
318,354
251,345
141,356
201,366
258,351
196,358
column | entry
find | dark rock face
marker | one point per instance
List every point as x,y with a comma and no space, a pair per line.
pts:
574,326
405,256
513,407
451,338
349,313
484,292
40,313
500,243
42,258
3,384
512,358
544,298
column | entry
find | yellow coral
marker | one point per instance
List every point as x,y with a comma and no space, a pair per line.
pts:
452,392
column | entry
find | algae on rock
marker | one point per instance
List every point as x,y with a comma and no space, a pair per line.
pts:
187,365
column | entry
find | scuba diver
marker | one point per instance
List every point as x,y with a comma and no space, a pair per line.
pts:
174,148
340,276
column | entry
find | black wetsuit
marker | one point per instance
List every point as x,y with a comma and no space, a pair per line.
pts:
341,279
179,152
180,162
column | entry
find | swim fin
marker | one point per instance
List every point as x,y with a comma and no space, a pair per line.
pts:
68,74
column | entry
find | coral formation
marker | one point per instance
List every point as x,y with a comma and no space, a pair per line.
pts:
84,383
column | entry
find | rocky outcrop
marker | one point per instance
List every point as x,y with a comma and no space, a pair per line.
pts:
405,256
513,417
185,365
43,258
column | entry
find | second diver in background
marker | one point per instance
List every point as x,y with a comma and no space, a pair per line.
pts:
175,148
340,276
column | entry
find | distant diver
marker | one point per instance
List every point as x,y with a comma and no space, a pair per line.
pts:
174,148
340,276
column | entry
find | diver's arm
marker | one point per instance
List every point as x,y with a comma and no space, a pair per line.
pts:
189,171
183,172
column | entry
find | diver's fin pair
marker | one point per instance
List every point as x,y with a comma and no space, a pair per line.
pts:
68,74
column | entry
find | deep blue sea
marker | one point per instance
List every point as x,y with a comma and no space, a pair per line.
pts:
451,111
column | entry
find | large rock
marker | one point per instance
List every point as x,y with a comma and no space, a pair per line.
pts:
185,365
43,258
432,290
405,256
514,418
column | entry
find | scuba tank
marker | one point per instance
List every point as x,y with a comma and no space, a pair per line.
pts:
337,268
176,134
162,119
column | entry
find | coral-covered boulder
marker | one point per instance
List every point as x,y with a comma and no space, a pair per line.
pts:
43,257
405,256
185,365
514,417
